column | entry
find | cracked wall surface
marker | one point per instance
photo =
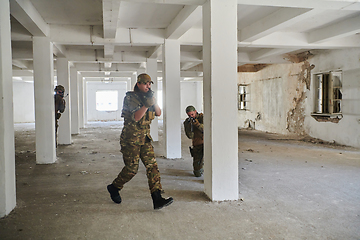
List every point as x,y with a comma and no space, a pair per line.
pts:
296,114
282,97
277,95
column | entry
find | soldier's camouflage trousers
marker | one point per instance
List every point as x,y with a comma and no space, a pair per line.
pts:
56,129
198,159
131,155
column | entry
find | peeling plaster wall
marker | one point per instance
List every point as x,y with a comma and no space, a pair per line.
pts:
347,130
276,98
282,97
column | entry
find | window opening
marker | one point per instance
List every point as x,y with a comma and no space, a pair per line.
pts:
243,97
328,93
107,100
328,97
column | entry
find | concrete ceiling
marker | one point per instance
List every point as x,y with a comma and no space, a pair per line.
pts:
125,33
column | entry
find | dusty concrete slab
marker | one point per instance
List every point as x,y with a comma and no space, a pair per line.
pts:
289,189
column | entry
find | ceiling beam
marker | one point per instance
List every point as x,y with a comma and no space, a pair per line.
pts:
244,58
276,21
191,73
110,17
192,37
323,4
155,52
341,29
264,53
102,74
187,18
191,56
22,53
27,15
87,35
300,41
109,50
59,50
20,64
188,65
100,67
179,2
23,73
320,4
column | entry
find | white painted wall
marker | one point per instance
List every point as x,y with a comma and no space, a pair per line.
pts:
92,113
191,93
347,131
23,95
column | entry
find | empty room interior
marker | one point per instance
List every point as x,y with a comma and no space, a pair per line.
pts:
277,82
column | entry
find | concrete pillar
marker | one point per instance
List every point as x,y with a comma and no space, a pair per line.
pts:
171,98
7,146
85,100
74,101
220,96
81,100
44,100
151,69
200,96
133,80
63,78
128,84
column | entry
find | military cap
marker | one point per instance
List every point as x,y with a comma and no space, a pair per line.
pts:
144,78
190,109
60,87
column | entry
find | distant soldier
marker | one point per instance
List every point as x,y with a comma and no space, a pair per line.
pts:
59,106
139,110
194,128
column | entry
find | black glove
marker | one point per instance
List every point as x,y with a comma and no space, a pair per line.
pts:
196,123
147,98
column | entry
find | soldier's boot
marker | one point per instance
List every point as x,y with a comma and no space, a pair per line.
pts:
198,173
160,202
114,193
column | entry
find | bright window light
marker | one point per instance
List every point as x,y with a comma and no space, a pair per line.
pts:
159,99
107,100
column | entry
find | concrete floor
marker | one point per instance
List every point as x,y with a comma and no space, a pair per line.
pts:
289,189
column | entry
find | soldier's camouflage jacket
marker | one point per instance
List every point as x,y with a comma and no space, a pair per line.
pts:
59,106
135,132
196,135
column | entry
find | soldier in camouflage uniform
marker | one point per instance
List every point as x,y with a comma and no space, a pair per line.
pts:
59,106
194,129
138,111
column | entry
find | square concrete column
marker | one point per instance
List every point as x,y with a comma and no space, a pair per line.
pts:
151,69
74,89
85,100
128,84
220,96
44,100
81,100
171,98
133,81
63,78
7,147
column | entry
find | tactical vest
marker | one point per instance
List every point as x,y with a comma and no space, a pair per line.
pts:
196,135
135,132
